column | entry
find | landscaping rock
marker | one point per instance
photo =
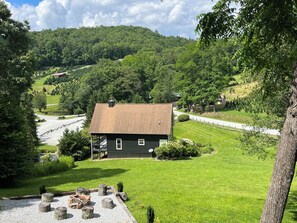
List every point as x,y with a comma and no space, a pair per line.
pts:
102,190
60,213
47,197
44,207
108,203
87,212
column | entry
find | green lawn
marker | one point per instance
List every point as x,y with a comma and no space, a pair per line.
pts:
43,148
52,99
52,110
231,115
38,84
225,187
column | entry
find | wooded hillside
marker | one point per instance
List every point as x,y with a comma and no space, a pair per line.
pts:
66,47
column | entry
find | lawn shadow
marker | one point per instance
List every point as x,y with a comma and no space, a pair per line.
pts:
74,176
291,206
80,176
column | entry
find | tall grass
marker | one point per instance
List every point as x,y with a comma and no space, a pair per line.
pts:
47,168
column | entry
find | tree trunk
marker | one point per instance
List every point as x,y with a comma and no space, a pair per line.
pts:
284,166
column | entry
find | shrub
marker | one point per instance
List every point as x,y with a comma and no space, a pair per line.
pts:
177,150
150,214
208,149
191,151
183,117
42,189
120,187
61,117
46,158
48,168
67,160
75,144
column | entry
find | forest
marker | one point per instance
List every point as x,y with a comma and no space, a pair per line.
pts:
133,65
82,46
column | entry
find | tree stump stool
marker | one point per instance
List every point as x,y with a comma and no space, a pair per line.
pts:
87,212
102,190
60,213
123,196
107,203
82,191
44,207
47,197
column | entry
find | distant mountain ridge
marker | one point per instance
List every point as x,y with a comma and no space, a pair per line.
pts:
79,46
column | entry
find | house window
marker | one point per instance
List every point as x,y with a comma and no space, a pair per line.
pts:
163,142
119,144
141,142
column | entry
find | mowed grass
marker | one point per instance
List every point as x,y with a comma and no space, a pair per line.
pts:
38,84
52,110
52,99
224,187
43,148
230,115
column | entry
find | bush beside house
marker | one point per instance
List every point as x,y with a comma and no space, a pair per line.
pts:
182,149
183,118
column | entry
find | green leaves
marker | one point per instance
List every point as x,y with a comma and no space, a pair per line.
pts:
39,101
203,73
17,128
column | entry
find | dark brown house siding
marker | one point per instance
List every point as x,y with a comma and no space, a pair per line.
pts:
130,147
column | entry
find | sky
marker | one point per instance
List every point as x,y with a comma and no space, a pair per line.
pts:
168,17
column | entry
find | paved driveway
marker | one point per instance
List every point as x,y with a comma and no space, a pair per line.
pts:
50,131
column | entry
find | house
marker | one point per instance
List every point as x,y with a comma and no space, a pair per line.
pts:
130,130
59,75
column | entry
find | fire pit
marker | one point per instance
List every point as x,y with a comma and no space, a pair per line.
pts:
80,199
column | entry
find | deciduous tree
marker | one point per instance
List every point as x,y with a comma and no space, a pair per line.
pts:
39,101
268,31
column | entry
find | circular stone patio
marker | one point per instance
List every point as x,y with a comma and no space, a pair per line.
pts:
26,210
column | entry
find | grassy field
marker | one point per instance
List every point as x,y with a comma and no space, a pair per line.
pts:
224,187
43,148
52,110
231,115
52,99
239,91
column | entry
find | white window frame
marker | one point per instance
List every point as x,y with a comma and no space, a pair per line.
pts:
119,146
141,142
163,141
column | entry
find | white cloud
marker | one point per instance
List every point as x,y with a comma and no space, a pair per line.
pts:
170,17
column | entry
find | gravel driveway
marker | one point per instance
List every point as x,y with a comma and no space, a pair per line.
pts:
50,131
